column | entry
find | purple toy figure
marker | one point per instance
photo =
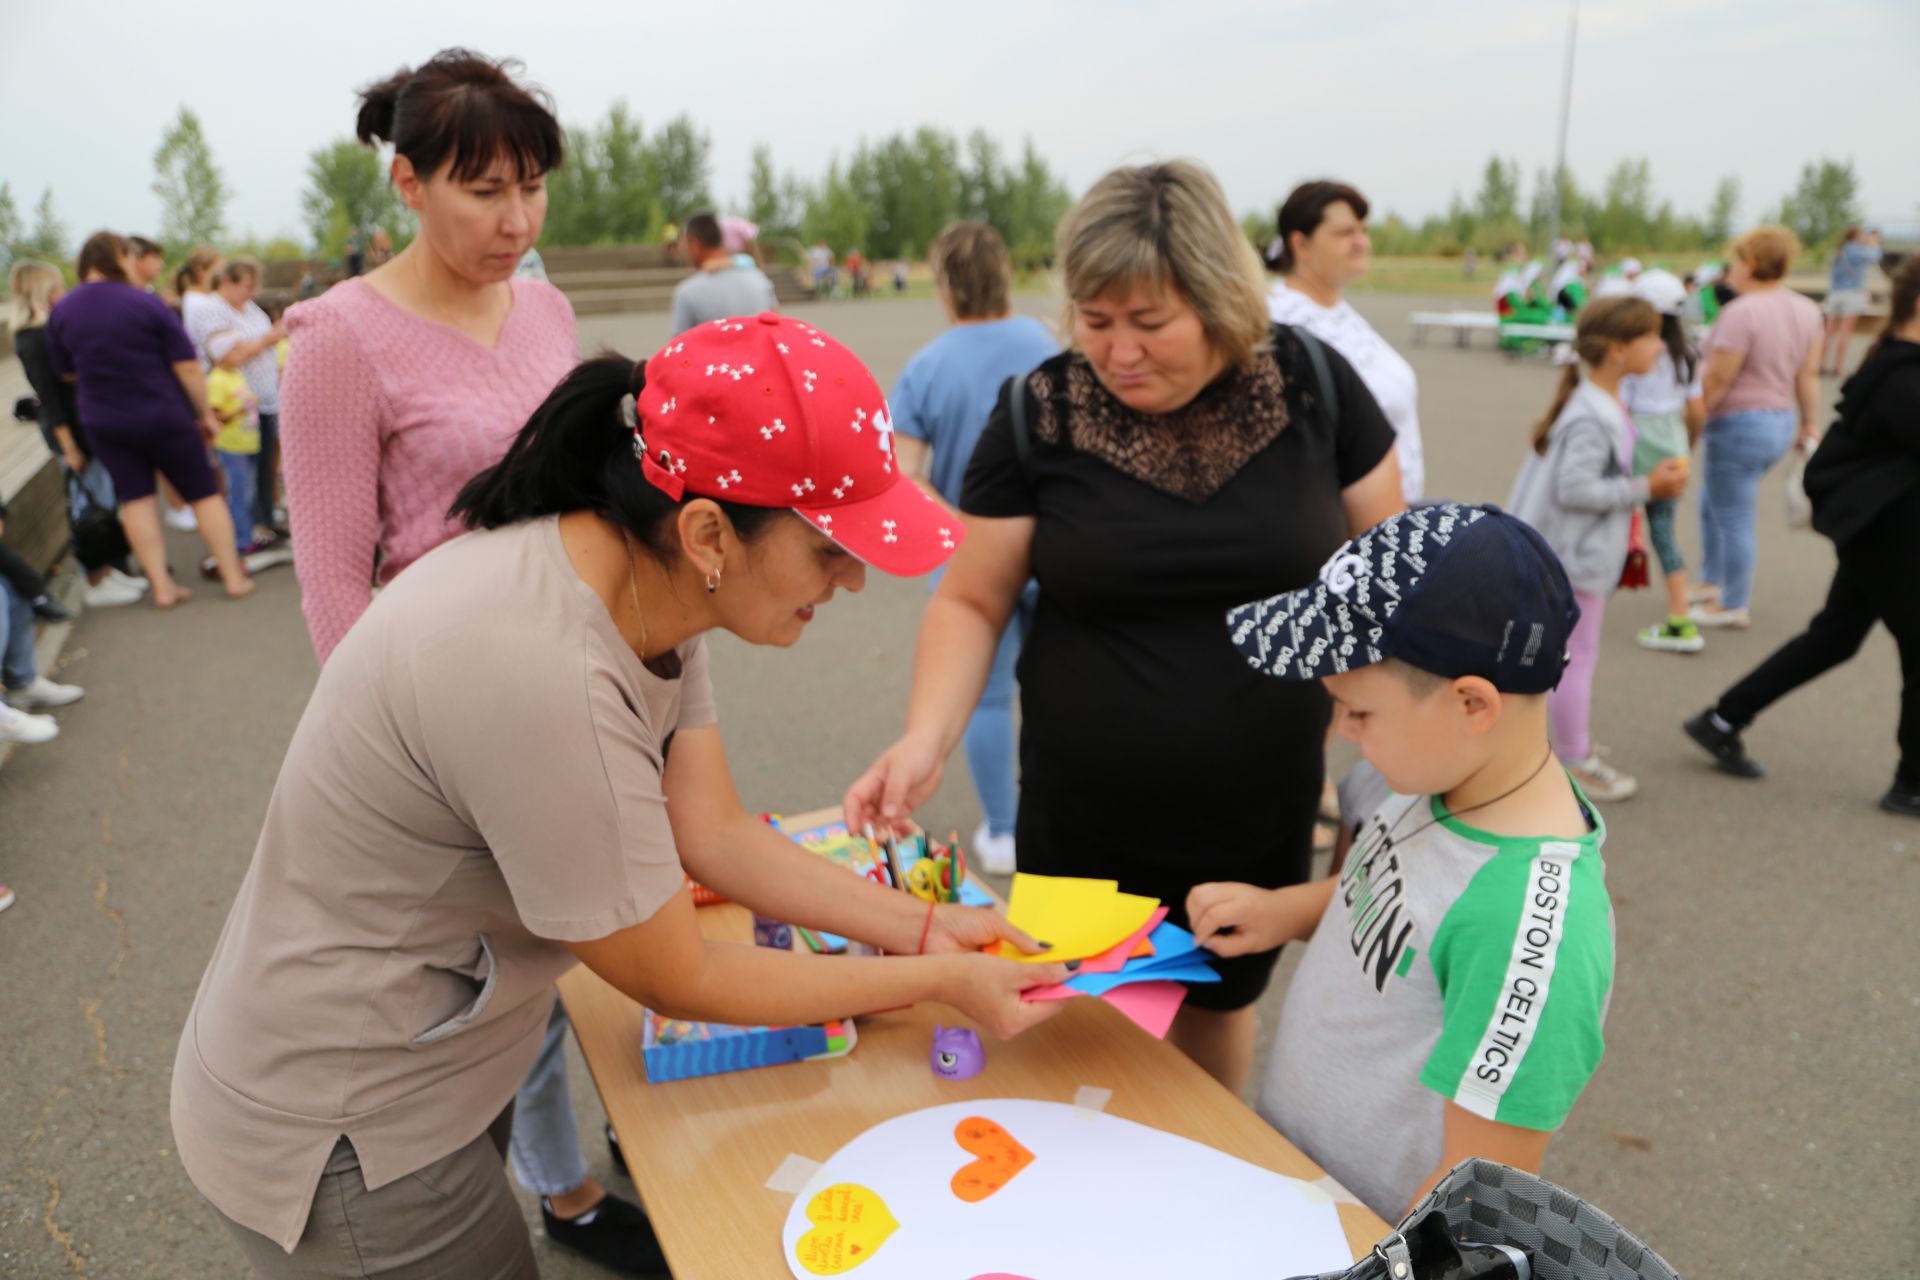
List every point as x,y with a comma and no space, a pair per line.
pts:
957,1054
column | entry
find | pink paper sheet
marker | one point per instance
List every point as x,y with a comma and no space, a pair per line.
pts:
1150,1004
1112,961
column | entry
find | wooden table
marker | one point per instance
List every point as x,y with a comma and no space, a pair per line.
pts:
701,1150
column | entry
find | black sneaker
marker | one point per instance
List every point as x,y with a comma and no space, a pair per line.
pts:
619,1238
1728,752
1902,798
619,1156
47,609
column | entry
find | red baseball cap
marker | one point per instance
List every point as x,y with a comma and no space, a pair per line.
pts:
771,412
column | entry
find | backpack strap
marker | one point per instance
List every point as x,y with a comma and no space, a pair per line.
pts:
1322,374
1017,413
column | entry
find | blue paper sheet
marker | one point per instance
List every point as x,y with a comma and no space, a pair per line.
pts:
1095,984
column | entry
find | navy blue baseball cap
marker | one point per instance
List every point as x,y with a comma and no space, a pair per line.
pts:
1453,590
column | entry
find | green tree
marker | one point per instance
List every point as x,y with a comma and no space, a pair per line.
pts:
346,188
835,213
766,203
48,239
682,156
1575,208
1499,198
1722,212
193,194
1824,202
1626,216
575,193
12,233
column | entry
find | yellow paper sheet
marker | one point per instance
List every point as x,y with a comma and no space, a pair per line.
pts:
1080,918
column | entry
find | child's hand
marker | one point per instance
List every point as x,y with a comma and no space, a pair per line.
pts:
1668,479
1239,919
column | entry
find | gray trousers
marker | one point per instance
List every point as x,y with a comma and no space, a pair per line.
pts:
456,1219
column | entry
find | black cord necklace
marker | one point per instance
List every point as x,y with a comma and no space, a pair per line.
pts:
1393,832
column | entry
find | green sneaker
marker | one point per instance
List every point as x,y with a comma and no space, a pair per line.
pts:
1675,635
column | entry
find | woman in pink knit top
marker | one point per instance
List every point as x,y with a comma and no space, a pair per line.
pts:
404,384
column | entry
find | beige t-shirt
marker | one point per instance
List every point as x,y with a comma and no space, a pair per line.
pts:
475,781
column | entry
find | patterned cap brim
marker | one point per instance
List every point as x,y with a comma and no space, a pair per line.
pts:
1304,634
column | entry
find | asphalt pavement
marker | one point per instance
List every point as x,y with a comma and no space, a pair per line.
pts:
1754,1115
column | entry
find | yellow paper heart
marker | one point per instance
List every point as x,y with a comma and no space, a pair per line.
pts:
850,1224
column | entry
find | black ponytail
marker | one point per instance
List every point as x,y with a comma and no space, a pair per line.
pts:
1673,332
576,454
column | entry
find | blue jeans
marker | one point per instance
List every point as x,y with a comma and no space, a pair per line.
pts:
17,666
239,469
1740,448
545,1147
993,750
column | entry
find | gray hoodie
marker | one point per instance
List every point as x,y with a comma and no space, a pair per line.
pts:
1579,495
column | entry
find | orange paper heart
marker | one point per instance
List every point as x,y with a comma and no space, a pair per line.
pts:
998,1159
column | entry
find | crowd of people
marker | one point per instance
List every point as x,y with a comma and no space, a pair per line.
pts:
1194,542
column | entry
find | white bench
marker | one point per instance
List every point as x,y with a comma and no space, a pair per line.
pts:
1464,324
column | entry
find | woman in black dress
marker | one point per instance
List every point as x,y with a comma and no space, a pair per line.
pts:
1182,458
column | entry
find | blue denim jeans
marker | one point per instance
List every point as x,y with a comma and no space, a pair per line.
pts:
1740,447
545,1147
239,469
17,666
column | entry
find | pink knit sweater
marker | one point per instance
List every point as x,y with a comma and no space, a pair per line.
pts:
383,417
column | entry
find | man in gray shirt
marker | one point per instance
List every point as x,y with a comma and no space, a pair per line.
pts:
722,284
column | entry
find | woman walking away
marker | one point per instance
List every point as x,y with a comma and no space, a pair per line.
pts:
143,396
1847,295
1578,489
940,406
1322,248
1864,483
1666,410
1762,375
1184,457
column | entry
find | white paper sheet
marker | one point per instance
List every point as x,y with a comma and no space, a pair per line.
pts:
1103,1197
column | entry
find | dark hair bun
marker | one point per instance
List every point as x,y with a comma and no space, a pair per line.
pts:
374,124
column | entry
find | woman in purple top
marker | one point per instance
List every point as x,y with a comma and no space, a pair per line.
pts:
143,396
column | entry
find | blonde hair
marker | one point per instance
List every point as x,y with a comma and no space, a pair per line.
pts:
30,287
1168,226
238,269
970,261
1767,251
193,266
1604,322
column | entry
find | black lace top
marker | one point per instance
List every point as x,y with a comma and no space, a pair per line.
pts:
1149,750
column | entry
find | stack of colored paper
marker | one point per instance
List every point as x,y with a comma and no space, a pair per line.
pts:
1130,956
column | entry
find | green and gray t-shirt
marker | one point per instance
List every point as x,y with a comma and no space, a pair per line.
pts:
1452,964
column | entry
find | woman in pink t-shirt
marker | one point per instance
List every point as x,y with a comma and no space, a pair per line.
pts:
1762,377
401,386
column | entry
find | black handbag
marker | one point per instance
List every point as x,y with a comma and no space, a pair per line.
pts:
98,539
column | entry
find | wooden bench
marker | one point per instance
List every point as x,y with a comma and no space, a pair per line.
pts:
1463,324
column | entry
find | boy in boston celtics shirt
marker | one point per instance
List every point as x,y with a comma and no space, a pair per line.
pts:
1450,1002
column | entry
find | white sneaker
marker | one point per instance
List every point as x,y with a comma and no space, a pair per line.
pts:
127,580
108,592
6,897
1601,781
993,853
183,520
1714,616
1703,593
45,693
18,726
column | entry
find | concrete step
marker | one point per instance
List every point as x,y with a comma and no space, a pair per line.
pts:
571,282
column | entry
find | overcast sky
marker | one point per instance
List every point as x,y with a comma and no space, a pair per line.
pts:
1404,98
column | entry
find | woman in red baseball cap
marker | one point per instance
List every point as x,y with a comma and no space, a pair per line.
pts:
510,764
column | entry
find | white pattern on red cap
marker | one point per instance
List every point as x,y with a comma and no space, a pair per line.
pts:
803,457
